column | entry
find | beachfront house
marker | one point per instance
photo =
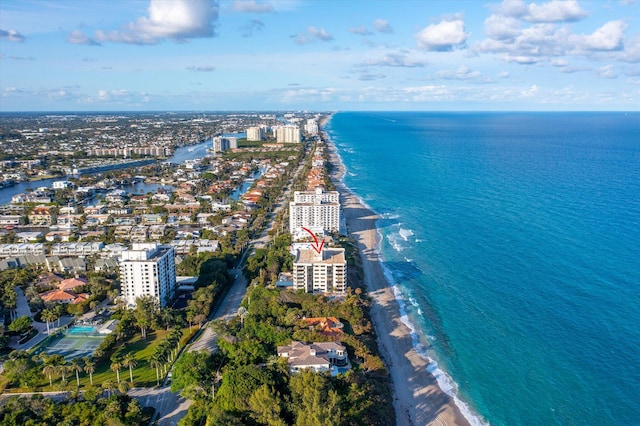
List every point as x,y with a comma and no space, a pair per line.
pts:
319,357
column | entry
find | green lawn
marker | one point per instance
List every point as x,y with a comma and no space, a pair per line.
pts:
143,374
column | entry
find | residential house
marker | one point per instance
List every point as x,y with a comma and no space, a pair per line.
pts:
63,296
329,326
319,357
71,283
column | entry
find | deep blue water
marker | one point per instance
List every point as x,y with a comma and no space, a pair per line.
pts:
514,241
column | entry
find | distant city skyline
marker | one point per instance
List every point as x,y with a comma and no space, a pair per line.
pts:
253,55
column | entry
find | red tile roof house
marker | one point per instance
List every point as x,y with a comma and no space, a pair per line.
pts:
329,326
63,296
319,357
71,283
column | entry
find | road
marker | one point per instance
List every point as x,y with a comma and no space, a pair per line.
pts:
171,407
22,309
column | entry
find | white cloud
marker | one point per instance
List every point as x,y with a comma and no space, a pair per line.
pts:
78,37
382,26
395,60
631,51
207,68
319,33
54,94
20,58
11,35
531,91
117,97
250,6
443,36
607,71
362,30
500,27
312,34
552,11
555,11
535,43
521,59
462,73
610,36
178,20
371,77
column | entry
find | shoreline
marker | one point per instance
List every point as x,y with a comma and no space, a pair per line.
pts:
417,398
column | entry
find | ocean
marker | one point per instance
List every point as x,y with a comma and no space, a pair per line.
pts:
513,243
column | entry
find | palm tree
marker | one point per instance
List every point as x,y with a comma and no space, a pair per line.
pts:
174,336
48,370
130,362
76,367
155,362
48,316
89,368
123,387
116,364
63,369
109,386
166,315
58,310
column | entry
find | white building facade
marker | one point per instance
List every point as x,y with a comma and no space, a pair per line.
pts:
221,144
148,269
324,272
314,210
287,134
311,127
255,134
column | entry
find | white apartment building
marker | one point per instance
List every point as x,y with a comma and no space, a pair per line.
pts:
221,144
255,134
324,272
148,269
287,134
314,210
311,127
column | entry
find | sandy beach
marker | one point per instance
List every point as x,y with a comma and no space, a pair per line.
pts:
417,398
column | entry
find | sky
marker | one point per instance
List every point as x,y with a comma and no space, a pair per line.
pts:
319,55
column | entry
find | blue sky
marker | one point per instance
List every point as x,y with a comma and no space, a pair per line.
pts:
72,55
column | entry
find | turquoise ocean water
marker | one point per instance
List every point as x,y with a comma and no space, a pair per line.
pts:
513,241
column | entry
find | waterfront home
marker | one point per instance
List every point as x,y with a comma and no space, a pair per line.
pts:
319,357
329,326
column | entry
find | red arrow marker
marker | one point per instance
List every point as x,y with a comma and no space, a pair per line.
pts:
315,246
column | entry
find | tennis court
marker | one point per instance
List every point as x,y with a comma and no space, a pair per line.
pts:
78,341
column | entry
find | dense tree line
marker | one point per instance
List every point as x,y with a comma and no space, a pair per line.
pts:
246,383
118,409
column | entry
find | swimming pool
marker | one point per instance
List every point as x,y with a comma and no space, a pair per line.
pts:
82,329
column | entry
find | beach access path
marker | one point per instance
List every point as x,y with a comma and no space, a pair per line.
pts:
418,400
